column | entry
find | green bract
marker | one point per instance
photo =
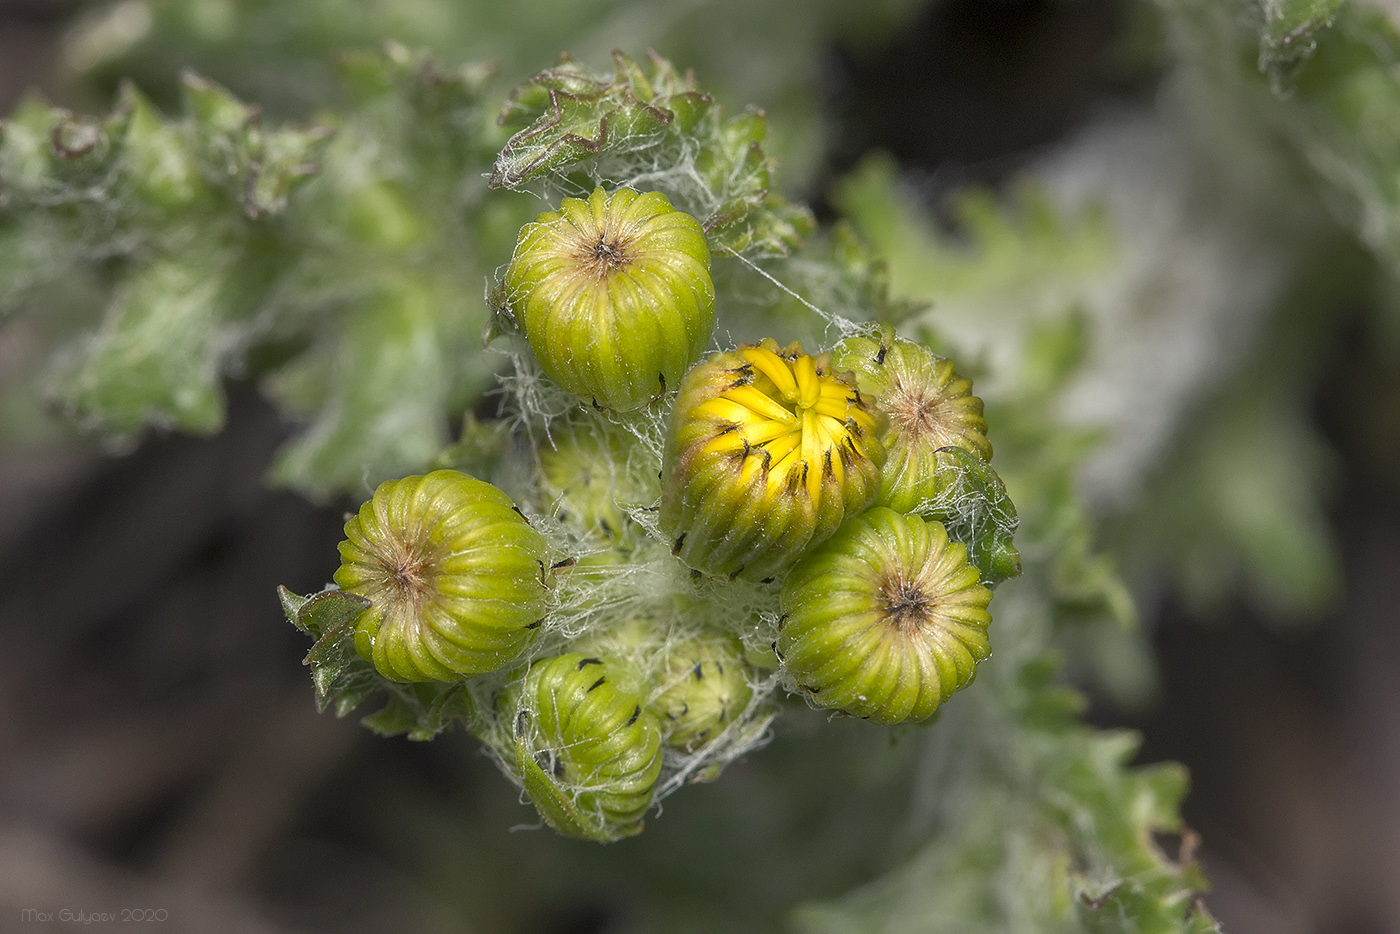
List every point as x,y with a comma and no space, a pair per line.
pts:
586,751
453,573
614,295
928,408
766,452
885,620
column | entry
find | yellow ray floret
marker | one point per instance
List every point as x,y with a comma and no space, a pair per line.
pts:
768,450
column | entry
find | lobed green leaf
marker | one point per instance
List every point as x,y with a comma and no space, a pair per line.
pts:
652,129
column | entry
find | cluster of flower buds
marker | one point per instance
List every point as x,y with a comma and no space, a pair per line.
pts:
454,578
828,473
589,732
824,480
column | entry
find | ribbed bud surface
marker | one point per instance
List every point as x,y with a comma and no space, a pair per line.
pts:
453,575
614,295
926,407
884,621
767,452
585,749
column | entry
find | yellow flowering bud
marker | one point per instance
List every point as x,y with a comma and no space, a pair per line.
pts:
767,451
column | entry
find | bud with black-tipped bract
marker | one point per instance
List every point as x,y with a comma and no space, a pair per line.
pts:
937,453
885,620
614,295
581,744
927,408
453,573
703,687
767,451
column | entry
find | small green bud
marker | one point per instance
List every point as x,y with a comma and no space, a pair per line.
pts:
631,642
589,478
453,573
704,687
767,451
614,295
586,751
926,406
885,620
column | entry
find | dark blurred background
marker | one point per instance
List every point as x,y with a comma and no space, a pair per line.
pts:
159,747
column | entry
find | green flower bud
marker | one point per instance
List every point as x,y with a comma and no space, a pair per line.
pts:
884,621
158,163
453,574
614,295
704,687
767,451
589,478
927,408
631,643
586,751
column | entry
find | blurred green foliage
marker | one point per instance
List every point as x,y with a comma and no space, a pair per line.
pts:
282,54
1307,94
359,311
343,261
